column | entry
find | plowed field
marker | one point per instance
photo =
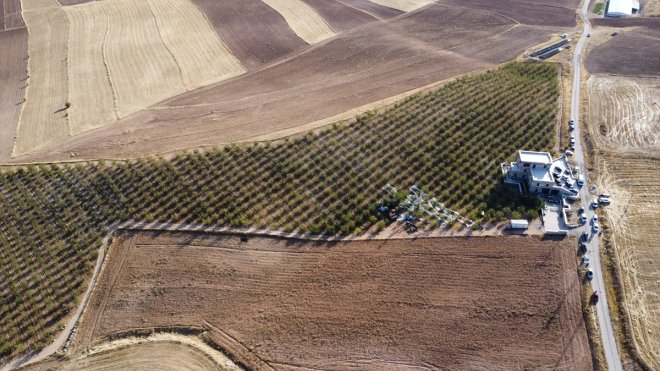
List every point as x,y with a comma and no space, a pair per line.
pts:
458,303
535,13
355,69
633,52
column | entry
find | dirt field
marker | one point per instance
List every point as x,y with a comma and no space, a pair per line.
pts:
624,121
633,52
376,10
156,352
496,303
13,74
340,17
534,13
10,15
354,69
626,111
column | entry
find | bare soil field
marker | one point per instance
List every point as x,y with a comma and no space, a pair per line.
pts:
534,13
633,52
354,69
156,352
626,111
13,75
651,22
624,122
376,10
341,17
254,32
496,303
11,14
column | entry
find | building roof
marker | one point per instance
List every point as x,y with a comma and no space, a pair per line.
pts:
540,174
620,7
535,157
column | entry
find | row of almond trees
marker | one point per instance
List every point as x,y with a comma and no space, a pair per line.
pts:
450,142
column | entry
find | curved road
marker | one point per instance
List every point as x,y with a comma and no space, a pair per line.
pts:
602,310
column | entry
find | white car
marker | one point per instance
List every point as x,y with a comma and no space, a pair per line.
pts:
594,219
596,227
569,153
583,219
604,200
594,203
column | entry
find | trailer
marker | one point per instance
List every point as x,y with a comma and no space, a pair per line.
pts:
518,224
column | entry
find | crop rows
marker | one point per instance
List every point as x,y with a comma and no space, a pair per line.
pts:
450,142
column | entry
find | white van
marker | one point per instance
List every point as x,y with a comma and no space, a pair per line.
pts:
580,180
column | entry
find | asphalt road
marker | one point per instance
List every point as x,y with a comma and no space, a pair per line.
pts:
593,245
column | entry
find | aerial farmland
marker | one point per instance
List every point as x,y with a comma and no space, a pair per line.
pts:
326,184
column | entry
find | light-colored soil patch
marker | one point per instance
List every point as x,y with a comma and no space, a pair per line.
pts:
39,4
303,20
161,351
13,78
89,83
202,57
626,111
403,5
44,116
651,8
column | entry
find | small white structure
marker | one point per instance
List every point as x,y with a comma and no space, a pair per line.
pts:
621,8
518,224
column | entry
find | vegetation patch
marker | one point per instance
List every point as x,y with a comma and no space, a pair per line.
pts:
450,142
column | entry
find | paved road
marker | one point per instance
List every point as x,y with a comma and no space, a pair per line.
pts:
604,321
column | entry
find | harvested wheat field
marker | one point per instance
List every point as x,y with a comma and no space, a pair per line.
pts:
302,19
355,69
492,303
626,111
161,352
624,122
93,63
403,5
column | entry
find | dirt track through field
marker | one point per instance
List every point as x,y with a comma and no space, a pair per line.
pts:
303,20
499,303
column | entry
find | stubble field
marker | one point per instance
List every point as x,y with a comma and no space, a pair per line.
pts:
358,68
496,303
624,122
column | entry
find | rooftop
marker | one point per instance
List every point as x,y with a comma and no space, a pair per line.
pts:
535,157
620,7
540,174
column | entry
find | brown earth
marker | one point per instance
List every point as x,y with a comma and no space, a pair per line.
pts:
653,22
535,13
10,12
340,17
13,75
254,32
456,303
634,52
376,10
356,68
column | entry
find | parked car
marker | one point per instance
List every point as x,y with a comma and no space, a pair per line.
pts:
569,153
594,203
583,219
594,219
588,35
596,227
604,195
585,236
571,121
580,180
604,200
585,261
582,249
590,274
594,297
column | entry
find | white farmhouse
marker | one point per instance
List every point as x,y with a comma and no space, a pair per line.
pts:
621,8
538,173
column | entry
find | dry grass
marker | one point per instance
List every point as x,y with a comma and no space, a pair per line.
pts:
43,117
303,20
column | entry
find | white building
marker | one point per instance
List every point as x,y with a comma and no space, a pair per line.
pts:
622,8
540,174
